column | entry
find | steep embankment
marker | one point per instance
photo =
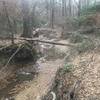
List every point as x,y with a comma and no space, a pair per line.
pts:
83,81
88,71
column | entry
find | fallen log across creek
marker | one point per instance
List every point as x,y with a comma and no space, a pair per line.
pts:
42,41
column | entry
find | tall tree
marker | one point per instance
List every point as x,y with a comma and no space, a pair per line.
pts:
52,13
79,7
64,8
10,28
27,30
47,7
63,15
70,8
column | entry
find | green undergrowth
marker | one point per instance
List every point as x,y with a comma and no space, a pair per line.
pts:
86,45
67,68
85,20
77,38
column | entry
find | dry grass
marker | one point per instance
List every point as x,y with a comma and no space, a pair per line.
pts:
5,76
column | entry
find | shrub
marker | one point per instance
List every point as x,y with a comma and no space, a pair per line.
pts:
67,68
86,45
85,20
76,38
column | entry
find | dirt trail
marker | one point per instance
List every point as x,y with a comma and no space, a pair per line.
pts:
42,83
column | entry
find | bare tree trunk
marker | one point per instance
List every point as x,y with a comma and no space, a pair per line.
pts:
33,16
47,8
27,30
70,9
79,8
9,22
64,12
95,1
52,13
88,3
63,15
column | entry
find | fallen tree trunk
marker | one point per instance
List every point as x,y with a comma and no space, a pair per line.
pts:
42,41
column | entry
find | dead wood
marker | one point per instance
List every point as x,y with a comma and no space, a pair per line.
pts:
42,41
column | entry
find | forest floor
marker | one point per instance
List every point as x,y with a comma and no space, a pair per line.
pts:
40,85
86,69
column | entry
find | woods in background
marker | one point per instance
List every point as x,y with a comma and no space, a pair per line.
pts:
23,15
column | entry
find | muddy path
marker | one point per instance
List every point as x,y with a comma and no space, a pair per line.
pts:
42,83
